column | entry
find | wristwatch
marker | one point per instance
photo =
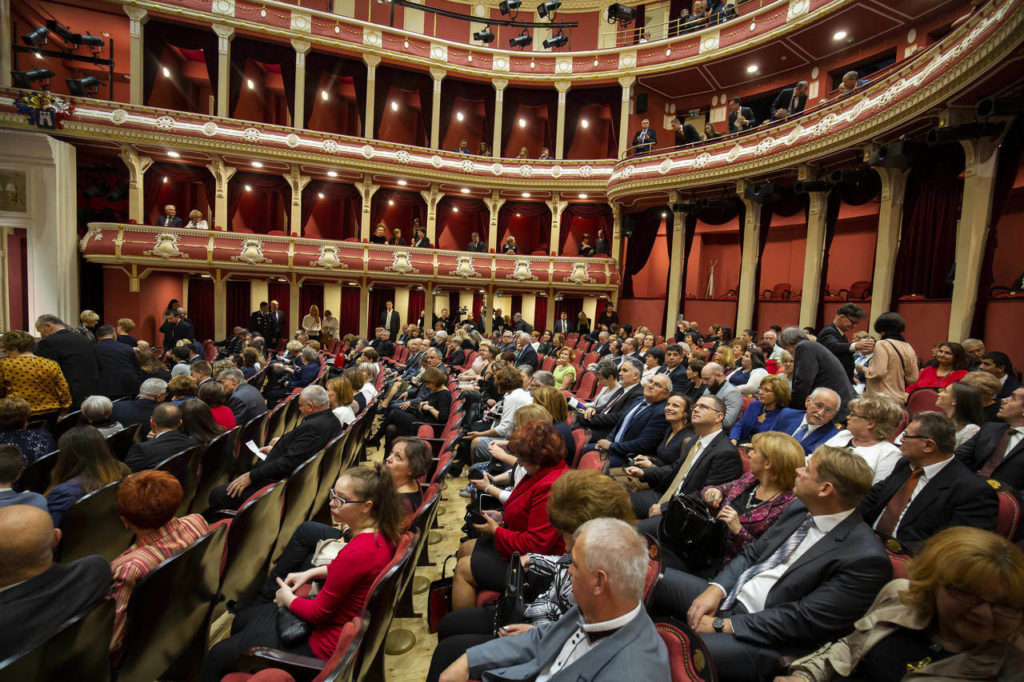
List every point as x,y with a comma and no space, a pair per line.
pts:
718,624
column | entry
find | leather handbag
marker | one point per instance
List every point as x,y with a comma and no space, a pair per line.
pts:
690,530
439,598
511,606
291,629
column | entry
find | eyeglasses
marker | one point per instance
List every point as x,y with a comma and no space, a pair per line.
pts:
907,436
824,408
1002,610
335,498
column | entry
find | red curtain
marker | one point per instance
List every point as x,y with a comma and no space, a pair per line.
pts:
396,208
348,316
281,292
281,57
478,303
158,34
454,227
413,93
528,222
475,101
309,295
602,303
580,219
239,302
326,73
571,305
333,216
377,299
200,306
265,206
417,299
540,109
540,314
601,108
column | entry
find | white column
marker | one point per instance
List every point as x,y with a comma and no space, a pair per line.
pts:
676,265
435,110
494,204
297,182
5,46
748,265
371,61
366,190
433,197
136,61
499,105
556,205
224,36
137,164
222,174
563,89
259,291
301,50
627,83
814,254
887,243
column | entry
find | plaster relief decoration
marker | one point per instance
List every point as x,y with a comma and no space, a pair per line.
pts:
166,247
329,258
251,252
468,166
627,60
497,169
521,271
436,161
164,123
224,7
556,171
95,233
464,268
563,65
798,8
118,116
586,171
301,22
367,151
209,129
439,52
709,42
500,64
330,146
371,37
292,140
401,263
526,171
14,191
579,274
252,135
403,157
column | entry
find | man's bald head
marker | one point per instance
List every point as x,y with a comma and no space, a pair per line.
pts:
27,539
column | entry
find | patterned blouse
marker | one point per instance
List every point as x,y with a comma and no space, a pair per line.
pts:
756,520
37,380
33,443
557,599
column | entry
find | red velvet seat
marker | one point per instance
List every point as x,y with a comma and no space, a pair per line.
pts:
588,386
923,400
593,459
689,658
340,667
547,364
1008,521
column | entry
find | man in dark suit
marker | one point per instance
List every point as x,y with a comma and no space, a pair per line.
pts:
929,489
278,325
833,336
805,582
998,365
170,217
790,101
997,450
521,325
815,367
38,595
710,459
390,319
685,133
740,118
674,357
119,366
318,428
476,245
601,422
167,440
601,246
601,347
525,354
813,425
641,428
175,328
645,138
128,412
76,355
563,325
234,343
261,322
245,401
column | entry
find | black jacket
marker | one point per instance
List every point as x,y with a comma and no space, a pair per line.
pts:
246,404
748,114
149,453
839,345
719,463
527,356
396,323
814,367
602,423
296,446
783,100
477,247
169,221
975,452
129,412
78,360
119,367
644,141
261,323
173,333
564,326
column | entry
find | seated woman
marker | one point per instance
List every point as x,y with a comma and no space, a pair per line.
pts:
146,503
678,408
723,356
545,344
747,377
33,443
96,410
750,505
654,361
988,388
363,499
250,362
38,380
576,497
84,464
181,388
761,415
523,525
565,373
151,367
553,400
419,238
357,378
500,485
952,364
432,406
212,393
955,617
557,344
870,424
197,421
485,356
962,404
339,390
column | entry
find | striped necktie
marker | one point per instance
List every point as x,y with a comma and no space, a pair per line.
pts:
778,556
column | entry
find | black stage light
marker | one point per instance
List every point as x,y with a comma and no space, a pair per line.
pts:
521,40
546,8
990,106
802,187
759,192
556,42
506,6
967,131
24,79
93,42
484,36
81,87
621,13
64,32
36,36
902,154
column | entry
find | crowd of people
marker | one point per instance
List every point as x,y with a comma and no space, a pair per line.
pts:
798,442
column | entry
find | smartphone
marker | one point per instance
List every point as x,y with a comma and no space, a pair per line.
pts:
475,474
631,461
475,517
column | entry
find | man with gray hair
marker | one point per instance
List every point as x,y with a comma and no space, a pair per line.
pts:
138,411
540,378
76,355
317,429
815,424
525,354
814,366
606,636
245,401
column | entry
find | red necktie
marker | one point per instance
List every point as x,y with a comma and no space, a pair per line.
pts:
996,458
897,503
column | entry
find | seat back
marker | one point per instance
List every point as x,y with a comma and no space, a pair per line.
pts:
580,437
1008,521
341,666
36,476
251,536
655,562
588,384
252,431
169,610
421,522
548,364
65,423
275,424
299,491
121,441
77,650
923,400
907,416
381,606
330,468
860,290
688,656
92,526
593,459
218,464
440,472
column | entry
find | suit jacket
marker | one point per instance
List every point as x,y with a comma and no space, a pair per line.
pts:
246,403
633,647
603,421
169,221
680,382
955,497
564,326
838,345
602,247
644,433
295,447
644,140
527,356
785,98
821,595
173,333
523,326
396,322
278,324
687,134
789,421
978,449
1009,386
261,323
384,348
733,403
719,463
31,611
78,360
748,114
601,349
121,374
815,366
148,454
477,247
129,412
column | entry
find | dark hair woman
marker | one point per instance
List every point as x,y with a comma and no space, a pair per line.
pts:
84,464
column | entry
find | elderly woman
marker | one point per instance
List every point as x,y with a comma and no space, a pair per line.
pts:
89,321
196,221
871,423
962,404
522,526
955,617
750,505
181,388
510,247
564,371
786,366
761,415
96,410
988,388
26,375
33,443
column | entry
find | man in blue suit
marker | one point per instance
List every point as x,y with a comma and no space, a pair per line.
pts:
641,428
815,425
525,354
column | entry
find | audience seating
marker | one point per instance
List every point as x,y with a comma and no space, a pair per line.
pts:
547,364
65,423
655,566
340,667
593,459
331,465
92,526
120,442
689,658
252,534
252,431
217,466
1008,521
923,400
36,476
299,490
185,467
76,651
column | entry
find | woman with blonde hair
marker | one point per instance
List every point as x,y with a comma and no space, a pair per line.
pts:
564,371
956,616
553,400
339,390
509,246
870,425
988,386
557,344
195,220
311,323
89,321
723,356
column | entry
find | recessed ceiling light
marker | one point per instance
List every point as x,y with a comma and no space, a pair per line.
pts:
166,72
839,35
38,56
248,82
320,195
165,178
403,183
465,190
394,105
174,154
391,202
323,95
526,195
522,123
455,209
248,188
583,196
257,164
752,68
459,115
332,174
519,215
337,29
664,215
585,123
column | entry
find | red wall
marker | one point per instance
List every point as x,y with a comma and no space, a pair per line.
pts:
647,312
710,311
1004,328
146,307
927,323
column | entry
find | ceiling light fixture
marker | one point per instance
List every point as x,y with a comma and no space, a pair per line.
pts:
165,178
526,195
332,174
583,196
250,84
257,164
173,154
394,105
391,202
323,95
455,209
839,35
522,123
403,183
752,68
166,72
585,123
459,115
320,195
248,188
465,190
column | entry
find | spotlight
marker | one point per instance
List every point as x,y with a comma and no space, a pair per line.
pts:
990,106
546,8
506,6
65,33
759,192
83,87
902,154
808,187
24,79
846,176
165,71
250,84
623,14
968,131
36,36
556,42
91,41
485,36
521,40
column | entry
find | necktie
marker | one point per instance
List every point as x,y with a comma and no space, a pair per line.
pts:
629,417
684,468
801,433
897,503
616,394
997,456
778,556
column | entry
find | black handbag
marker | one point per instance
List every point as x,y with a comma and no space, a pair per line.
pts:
291,629
439,598
511,606
690,530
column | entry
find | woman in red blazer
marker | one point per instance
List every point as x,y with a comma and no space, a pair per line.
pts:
523,525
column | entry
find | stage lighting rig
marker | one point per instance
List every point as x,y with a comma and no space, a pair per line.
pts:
24,79
83,87
623,14
546,8
522,40
506,7
990,106
967,131
556,41
36,37
485,36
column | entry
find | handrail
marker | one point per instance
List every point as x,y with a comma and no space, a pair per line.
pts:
675,27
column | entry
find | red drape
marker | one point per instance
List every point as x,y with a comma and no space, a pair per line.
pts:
528,222
417,299
333,216
639,244
180,179
580,219
200,307
348,316
332,73
281,56
281,292
396,208
454,227
540,314
571,305
377,298
540,110
717,213
265,205
239,302
413,94
478,303
159,34
601,108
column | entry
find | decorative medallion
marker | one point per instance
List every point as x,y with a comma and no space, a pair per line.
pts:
556,171
401,263
164,123
224,7
292,140
371,37
251,252
500,64
436,161
586,171
480,11
798,8
210,129
468,166
734,153
329,258
627,172
579,275
301,22
403,157
439,52
521,271
118,116
330,146
526,171
563,65
166,247
702,160
367,151
252,135
464,268
665,166
44,110
764,146
794,135
497,168
709,42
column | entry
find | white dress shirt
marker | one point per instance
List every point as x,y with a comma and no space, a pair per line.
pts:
578,645
930,472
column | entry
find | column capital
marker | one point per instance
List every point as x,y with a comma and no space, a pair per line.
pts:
432,196
301,46
298,182
137,163
223,31
563,86
494,202
817,202
222,174
627,81
894,183
980,157
556,204
371,61
499,84
438,74
366,188
136,14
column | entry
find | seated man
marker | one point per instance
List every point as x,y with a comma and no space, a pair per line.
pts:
641,428
601,420
606,636
317,429
11,465
146,503
711,459
998,364
929,489
202,372
139,411
813,426
167,440
996,450
37,595
803,583
715,383
245,401
525,354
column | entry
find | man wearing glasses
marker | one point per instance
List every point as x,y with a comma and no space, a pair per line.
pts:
929,489
815,424
815,367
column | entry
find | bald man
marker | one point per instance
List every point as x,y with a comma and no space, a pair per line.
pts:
36,595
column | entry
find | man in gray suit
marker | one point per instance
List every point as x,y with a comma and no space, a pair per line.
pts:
715,383
606,636
246,402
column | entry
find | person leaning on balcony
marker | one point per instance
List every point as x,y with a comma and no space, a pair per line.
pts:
419,238
790,101
510,246
378,236
196,222
740,117
476,245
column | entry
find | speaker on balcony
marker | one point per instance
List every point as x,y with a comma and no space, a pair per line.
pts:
641,102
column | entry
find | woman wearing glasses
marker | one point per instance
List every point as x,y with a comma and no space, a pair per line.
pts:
369,514
955,618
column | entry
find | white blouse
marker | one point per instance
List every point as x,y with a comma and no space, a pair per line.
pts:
881,457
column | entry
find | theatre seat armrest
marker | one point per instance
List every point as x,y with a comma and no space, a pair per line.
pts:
300,667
